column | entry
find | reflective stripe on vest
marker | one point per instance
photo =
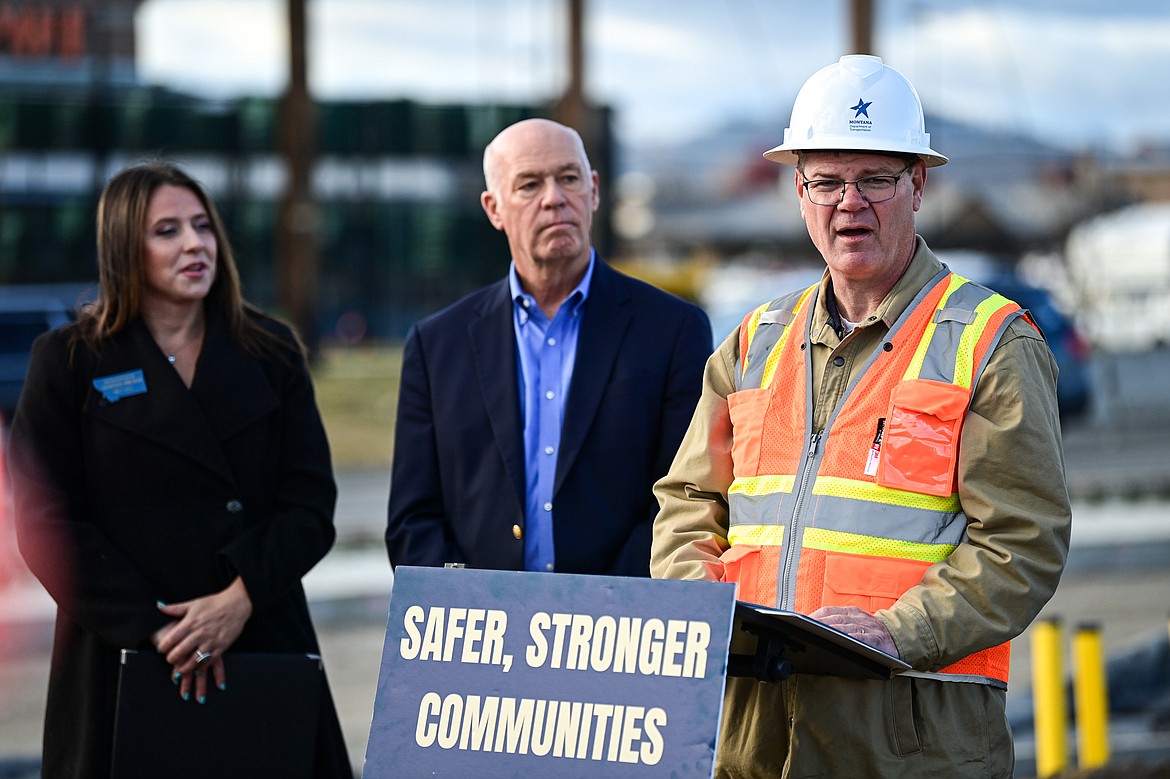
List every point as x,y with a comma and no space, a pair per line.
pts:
813,522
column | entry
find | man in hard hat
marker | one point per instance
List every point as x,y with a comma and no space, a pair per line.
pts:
881,452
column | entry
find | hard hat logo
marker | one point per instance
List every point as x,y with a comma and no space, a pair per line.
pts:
857,124
832,113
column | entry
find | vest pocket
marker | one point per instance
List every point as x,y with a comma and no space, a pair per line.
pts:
747,410
870,583
753,569
920,446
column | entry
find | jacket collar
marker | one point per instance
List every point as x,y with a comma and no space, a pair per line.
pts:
922,268
604,324
603,328
229,391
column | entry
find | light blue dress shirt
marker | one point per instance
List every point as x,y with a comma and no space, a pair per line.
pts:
548,351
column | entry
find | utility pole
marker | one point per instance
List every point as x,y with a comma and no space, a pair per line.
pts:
297,216
573,110
862,27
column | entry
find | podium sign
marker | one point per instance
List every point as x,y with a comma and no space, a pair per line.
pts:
504,673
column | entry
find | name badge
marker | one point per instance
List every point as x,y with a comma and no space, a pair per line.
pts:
120,385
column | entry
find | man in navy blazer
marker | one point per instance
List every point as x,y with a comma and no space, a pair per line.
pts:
535,414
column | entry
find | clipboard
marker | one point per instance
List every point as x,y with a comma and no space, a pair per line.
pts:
791,643
263,724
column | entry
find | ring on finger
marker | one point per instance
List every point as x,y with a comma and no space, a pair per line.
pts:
202,657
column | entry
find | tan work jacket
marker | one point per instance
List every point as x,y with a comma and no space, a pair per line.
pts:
1011,488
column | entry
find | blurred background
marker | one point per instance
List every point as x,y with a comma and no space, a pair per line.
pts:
342,141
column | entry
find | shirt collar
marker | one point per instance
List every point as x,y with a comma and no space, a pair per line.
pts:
923,266
575,300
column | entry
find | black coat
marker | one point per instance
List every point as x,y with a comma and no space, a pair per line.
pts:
457,492
165,496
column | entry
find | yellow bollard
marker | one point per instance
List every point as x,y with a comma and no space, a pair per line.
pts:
1092,697
1050,714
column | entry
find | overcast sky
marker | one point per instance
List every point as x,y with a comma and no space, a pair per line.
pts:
1079,73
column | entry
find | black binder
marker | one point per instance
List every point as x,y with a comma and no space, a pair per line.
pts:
791,643
263,724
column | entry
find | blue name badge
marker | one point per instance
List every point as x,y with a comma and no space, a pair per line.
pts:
507,673
120,385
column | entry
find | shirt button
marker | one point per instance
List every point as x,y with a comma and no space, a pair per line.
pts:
552,342
548,567
234,506
548,507
517,533
550,394
838,361
548,450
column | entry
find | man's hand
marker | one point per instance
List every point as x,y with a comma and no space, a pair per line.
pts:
858,624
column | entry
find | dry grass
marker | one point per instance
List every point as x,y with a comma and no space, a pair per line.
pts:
357,392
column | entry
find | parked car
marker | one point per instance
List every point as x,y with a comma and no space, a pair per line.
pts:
1071,350
22,318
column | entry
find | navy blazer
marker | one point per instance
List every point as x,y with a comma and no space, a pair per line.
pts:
457,489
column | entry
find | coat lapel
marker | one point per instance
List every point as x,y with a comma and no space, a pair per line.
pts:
230,385
606,319
191,422
493,342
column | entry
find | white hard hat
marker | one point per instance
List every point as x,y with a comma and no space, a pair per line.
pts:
857,104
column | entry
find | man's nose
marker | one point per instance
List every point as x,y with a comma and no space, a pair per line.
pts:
852,199
552,193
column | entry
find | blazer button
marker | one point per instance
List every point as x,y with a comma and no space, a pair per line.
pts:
234,506
517,532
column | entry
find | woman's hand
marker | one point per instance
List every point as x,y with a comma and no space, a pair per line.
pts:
859,624
203,629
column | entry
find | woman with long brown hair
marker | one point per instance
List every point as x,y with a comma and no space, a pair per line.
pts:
171,474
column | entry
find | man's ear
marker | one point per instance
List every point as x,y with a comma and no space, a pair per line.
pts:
919,186
796,181
488,201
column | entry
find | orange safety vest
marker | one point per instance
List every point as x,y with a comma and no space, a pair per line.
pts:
853,515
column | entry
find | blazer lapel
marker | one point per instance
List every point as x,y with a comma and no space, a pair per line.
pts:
493,348
606,319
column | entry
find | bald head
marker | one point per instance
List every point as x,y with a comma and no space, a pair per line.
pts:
526,134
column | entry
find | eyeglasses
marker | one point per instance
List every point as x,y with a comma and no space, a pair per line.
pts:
875,189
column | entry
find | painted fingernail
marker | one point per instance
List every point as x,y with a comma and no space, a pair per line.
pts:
202,699
186,696
176,677
223,686
159,603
